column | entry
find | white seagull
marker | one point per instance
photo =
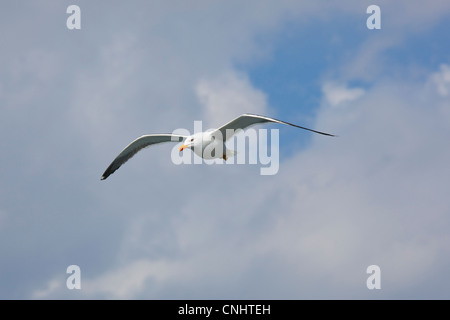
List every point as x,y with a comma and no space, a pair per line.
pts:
197,142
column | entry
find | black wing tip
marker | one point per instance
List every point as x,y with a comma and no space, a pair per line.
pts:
288,123
328,134
105,175
107,172
320,132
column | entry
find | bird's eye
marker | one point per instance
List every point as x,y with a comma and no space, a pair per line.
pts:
192,139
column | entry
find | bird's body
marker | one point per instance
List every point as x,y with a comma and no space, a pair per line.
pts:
198,142
203,142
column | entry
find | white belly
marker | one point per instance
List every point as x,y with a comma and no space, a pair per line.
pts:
211,150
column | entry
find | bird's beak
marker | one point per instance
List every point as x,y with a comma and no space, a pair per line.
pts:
182,147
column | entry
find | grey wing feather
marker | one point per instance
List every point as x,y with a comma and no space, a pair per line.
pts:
136,146
246,120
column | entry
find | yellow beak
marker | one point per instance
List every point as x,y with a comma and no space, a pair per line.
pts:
182,147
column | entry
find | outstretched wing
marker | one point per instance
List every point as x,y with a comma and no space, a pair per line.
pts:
137,145
246,120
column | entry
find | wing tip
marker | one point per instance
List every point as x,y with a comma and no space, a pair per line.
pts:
105,175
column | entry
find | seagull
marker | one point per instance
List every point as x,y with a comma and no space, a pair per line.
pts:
198,141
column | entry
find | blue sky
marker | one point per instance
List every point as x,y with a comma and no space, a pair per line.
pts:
70,100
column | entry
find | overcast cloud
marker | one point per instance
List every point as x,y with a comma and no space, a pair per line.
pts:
70,100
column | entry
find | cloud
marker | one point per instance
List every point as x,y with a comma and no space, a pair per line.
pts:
441,79
381,183
336,94
53,286
228,96
128,281
375,195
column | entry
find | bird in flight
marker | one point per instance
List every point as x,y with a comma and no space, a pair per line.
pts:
198,141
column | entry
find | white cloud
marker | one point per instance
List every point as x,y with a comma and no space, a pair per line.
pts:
53,286
336,94
441,80
123,282
228,96
378,188
128,281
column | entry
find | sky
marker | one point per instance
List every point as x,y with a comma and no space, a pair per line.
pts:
71,100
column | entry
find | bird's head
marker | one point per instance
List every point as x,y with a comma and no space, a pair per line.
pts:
191,141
